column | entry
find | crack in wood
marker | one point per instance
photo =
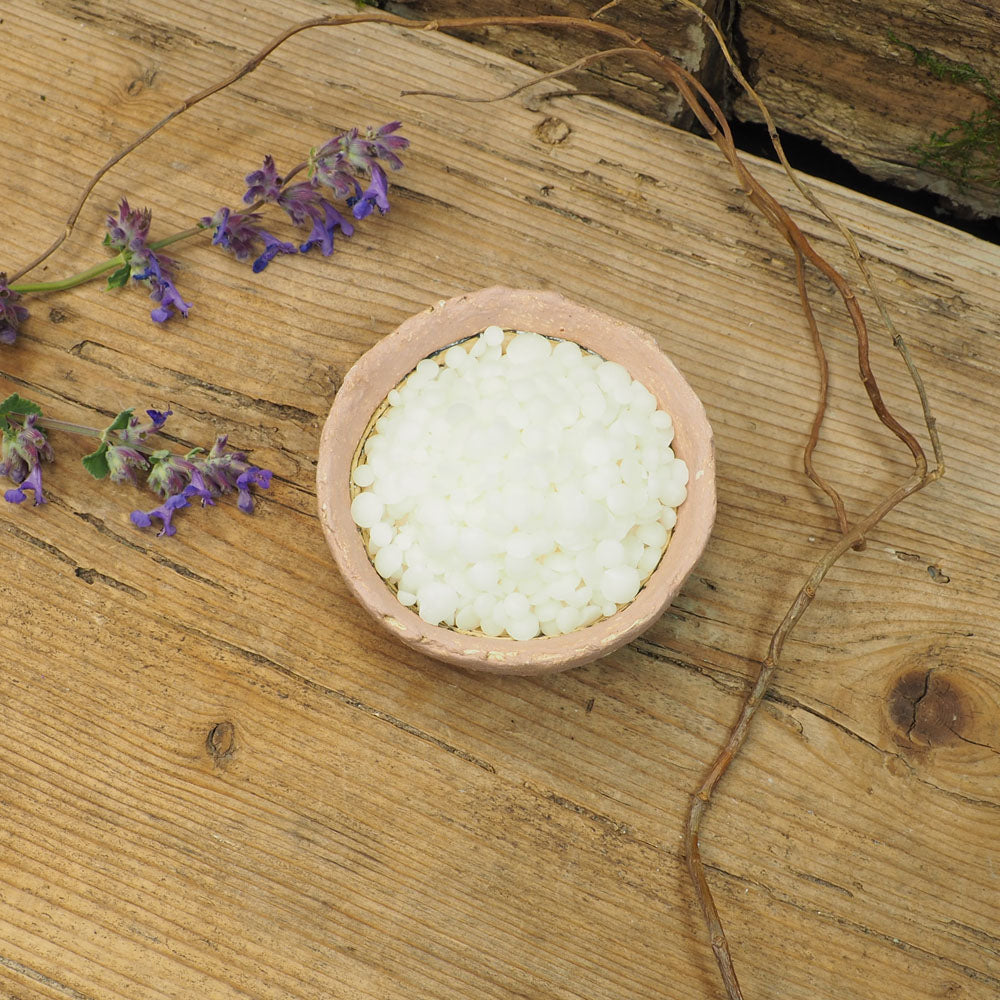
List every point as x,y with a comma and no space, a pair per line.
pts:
99,524
42,978
93,576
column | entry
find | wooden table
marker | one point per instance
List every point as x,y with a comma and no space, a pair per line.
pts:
220,779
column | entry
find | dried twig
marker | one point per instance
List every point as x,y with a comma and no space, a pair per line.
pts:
711,118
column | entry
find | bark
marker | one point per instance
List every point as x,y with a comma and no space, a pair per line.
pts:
677,32
845,73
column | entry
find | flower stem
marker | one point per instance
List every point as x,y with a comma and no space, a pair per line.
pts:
50,424
77,279
100,269
47,423
177,237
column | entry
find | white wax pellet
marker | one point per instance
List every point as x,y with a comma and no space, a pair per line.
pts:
649,560
620,584
436,602
516,605
406,598
528,348
567,619
673,495
388,561
608,608
466,618
613,377
456,357
380,534
610,553
633,550
484,604
525,627
427,369
519,546
363,475
493,336
546,610
491,627
366,510
567,353
654,535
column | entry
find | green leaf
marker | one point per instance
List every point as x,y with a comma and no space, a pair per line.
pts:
120,277
17,404
119,423
96,463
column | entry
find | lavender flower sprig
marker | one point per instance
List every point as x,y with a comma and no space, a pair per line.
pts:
23,448
346,168
122,456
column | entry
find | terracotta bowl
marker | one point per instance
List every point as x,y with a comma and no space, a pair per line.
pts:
393,358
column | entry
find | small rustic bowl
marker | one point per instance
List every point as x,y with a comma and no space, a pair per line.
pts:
394,357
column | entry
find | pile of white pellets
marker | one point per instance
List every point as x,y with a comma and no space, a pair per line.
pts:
518,485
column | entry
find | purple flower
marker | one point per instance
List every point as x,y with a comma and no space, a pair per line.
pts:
157,419
198,488
328,167
385,143
124,462
305,204
376,194
33,482
22,450
226,471
252,477
127,234
263,184
240,233
12,315
272,247
351,152
170,473
162,288
234,231
129,230
323,227
164,513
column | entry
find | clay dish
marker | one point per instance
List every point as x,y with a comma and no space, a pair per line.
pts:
393,358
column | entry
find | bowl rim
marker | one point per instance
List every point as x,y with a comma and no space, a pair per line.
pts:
390,360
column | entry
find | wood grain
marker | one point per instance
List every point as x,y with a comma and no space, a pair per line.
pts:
220,778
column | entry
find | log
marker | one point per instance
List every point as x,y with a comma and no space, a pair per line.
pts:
670,28
865,79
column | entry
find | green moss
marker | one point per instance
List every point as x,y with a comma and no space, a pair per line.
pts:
968,153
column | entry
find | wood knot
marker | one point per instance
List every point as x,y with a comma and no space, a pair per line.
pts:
221,741
552,130
929,708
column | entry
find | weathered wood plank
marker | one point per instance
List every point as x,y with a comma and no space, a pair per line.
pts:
375,824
